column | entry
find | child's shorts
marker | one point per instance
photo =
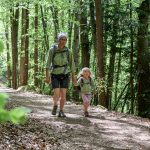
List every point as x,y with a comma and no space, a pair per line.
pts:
86,98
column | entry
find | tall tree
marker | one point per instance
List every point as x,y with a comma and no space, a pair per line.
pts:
100,49
116,97
113,51
75,45
70,26
14,19
143,60
93,39
84,38
24,47
44,23
54,11
131,60
8,55
93,24
36,46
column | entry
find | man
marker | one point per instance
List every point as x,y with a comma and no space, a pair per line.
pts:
59,67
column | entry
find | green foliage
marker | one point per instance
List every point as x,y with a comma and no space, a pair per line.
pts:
1,46
100,85
16,115
117,21
3,98
4,115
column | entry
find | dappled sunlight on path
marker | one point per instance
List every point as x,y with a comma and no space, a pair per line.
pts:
103,130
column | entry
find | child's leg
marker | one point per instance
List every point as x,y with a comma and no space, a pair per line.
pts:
85,106
86,101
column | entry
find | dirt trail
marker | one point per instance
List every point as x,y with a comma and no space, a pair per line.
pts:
103,130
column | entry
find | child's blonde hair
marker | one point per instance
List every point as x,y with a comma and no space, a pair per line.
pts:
85,69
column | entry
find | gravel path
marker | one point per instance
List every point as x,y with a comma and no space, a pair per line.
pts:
103,130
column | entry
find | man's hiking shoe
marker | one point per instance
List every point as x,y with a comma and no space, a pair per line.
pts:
61,114
54,110
86,114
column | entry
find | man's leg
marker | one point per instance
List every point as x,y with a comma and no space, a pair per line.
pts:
56,97
62,101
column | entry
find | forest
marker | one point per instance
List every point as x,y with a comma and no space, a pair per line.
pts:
111,37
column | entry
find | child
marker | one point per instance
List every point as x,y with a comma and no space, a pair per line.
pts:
86,84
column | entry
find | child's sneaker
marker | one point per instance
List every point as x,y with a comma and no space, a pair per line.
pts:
54,110
61,114
86,114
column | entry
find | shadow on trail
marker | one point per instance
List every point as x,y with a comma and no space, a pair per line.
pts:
100,131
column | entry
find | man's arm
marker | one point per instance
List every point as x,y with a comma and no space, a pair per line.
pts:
48,64
48,76
74,79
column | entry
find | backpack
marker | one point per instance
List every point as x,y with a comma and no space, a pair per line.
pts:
82,83
54,54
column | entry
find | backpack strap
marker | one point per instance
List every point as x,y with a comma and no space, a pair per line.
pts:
54,52
67,51
82,82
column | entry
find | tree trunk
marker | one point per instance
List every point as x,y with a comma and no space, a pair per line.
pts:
143,60
44,23
131,63
54,11
117,76
120,96
70,26
36,46
100,49
110,77
8,56
24,48
84,36
42,71
75,49
14,41
75,45
93,30
93,23
113,51
22,52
